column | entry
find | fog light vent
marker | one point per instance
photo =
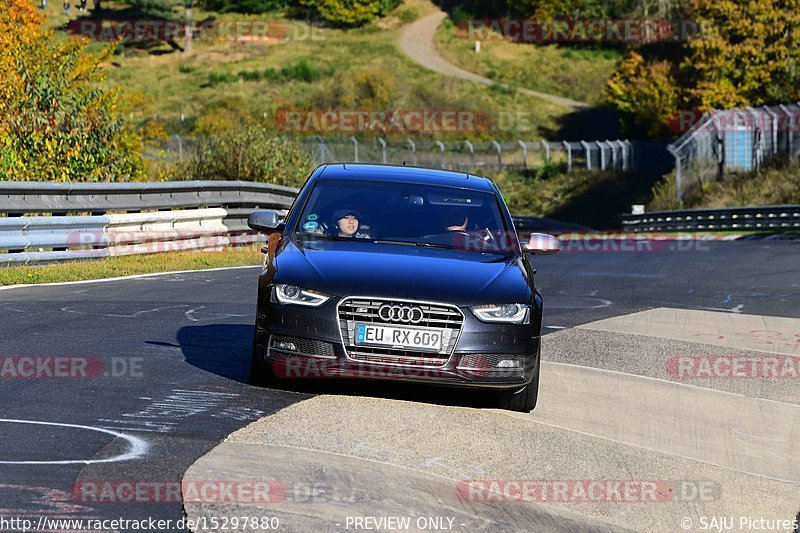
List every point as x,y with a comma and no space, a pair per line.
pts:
491,363
315,348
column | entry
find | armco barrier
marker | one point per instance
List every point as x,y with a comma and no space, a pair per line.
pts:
46,222
18,198
768,218
47,238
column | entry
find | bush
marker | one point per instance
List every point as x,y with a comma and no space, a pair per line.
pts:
55,123
247,154
215,78
300,70
348,13
776,184
645,94
244,6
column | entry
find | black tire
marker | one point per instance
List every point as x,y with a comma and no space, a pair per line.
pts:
523,400
261,374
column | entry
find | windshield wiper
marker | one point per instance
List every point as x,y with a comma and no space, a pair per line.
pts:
412,243
434,245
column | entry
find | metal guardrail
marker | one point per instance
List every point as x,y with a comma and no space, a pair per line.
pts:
769,218
19,198
46,222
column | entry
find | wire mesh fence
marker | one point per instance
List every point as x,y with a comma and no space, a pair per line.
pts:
734,140
479,157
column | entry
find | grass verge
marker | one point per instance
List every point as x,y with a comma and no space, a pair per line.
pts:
129,265
576,73
311,69
777,184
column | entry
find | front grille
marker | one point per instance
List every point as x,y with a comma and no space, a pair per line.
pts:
446,318
304,346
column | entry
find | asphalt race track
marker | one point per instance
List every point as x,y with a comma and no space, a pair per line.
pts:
168,358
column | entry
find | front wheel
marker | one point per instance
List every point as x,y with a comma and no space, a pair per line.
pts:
523,400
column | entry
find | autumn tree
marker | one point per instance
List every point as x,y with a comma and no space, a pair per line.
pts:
744,54
56,123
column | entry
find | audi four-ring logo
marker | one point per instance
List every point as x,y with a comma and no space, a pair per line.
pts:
400,313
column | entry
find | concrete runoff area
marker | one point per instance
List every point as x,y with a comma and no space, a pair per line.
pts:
771,334
708,452
316,490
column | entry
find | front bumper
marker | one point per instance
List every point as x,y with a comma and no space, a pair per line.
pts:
322,355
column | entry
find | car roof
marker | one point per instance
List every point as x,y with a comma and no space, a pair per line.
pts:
426,176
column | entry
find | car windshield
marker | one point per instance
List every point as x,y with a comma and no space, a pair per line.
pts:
404,213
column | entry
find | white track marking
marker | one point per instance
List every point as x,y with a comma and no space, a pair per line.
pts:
136,449
163,415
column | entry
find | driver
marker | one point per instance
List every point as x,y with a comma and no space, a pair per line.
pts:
347,223
455,221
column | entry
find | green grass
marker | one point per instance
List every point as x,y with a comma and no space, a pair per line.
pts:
358,69
590,197
129,265
776,184
580,74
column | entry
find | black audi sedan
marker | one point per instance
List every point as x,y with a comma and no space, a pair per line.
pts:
400,273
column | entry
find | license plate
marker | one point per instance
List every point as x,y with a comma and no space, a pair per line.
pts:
399,337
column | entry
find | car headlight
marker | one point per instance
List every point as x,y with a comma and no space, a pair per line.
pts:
292,294
510,313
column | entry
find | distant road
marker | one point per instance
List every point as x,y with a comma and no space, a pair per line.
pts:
417,41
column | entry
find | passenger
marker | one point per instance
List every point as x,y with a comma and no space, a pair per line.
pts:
348,223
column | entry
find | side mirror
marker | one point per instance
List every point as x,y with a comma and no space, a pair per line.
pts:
542,244
265,220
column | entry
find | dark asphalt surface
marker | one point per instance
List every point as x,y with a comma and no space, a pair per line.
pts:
188,337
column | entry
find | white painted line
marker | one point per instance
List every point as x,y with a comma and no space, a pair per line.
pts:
122,278
137,447
556,327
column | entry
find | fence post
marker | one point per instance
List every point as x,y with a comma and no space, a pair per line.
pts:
789,129
758,139
355,149
471,153
546,147
568,148
623,155
499,155
613,148
588,151
321,149
413,151
774,127
383,150
524,153
441,149
602,155
180,148
678,176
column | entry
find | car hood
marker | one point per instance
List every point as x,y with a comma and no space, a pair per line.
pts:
398,271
